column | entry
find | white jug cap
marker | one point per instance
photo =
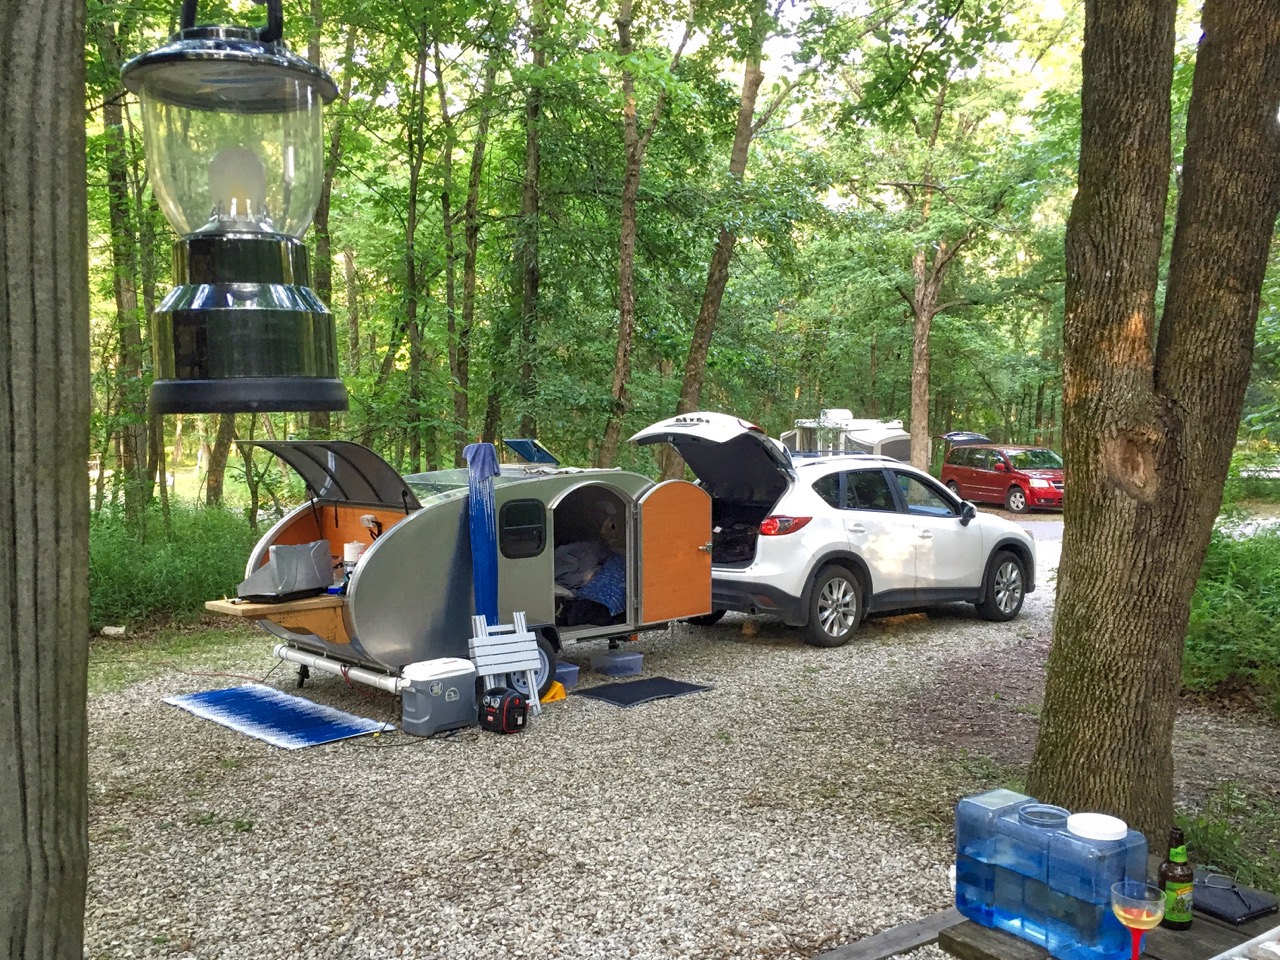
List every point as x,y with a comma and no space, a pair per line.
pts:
1097,826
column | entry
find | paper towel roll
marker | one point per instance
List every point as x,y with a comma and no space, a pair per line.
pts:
351,551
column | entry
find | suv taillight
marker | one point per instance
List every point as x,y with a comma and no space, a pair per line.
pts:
778,526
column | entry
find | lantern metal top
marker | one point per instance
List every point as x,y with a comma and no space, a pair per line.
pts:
226,69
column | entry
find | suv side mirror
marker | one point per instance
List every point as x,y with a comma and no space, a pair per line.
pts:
967,512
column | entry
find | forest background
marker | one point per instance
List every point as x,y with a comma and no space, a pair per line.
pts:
568,220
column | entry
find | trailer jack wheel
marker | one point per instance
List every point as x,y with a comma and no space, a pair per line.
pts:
303,673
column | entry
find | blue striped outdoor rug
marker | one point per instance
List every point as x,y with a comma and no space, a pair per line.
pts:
278,718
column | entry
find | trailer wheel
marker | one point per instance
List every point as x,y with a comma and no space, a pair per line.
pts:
544,676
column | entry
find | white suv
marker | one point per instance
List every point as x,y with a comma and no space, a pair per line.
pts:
822,541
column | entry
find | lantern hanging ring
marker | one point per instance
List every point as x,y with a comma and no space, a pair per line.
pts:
271,33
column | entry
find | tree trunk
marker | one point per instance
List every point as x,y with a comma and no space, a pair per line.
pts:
530,227
1148,434
704,328
133,432
416,136
44,492
635,143
215,480
353,310
471,243
924,307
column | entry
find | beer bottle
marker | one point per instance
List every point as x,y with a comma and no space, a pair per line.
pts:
1176,879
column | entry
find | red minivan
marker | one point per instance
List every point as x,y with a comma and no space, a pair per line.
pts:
1018,477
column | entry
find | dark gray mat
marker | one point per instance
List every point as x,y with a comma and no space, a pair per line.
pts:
632,692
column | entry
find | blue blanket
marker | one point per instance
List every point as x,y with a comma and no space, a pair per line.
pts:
609,585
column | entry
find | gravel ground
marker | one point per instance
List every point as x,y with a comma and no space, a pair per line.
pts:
793,808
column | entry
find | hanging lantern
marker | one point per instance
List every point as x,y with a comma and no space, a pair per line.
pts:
232,124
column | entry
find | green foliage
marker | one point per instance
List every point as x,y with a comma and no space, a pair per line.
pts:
137,575
1233,638
1254,476
1237,831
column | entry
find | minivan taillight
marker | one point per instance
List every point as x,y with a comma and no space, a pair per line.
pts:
778,526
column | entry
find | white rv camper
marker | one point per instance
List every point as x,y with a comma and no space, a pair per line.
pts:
836,430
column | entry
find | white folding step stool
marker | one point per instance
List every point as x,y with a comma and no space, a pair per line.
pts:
506,648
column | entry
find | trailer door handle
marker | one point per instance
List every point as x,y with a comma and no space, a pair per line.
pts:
706,547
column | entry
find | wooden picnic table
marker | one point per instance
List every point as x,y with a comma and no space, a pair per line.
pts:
969,941
1206,938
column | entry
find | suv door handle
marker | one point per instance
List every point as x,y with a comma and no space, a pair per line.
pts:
856,528
926,534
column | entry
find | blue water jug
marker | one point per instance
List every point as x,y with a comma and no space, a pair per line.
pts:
1023,901
976,848
1044,875
1092,853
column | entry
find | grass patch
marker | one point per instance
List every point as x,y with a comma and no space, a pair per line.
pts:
143,571
116,664
1237,831
1233,637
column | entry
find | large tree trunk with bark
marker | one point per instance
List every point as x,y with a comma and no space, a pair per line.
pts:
44,490
1148,431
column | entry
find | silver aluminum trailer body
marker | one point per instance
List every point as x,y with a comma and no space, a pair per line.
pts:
410,597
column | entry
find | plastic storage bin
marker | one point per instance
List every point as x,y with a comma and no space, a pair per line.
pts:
567,674
615,664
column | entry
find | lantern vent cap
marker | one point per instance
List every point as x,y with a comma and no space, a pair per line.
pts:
226,69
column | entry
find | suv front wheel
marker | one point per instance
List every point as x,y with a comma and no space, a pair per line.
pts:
1005,589
835,608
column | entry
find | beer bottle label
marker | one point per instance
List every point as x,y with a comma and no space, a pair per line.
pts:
1178,854
1177,901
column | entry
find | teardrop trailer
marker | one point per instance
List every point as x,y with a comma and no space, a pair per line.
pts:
586,554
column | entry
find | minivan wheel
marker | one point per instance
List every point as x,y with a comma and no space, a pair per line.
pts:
835,608
1005,589
953,487
1016,500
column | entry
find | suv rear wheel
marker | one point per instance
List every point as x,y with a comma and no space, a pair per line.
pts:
1016,500
835,608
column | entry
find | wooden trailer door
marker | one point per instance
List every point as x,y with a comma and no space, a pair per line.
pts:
675,552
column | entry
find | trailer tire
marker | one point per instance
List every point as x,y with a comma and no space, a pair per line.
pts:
544,676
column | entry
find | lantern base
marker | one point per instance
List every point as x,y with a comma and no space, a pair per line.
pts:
242,331
247,394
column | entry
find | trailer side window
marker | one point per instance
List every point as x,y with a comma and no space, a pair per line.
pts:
522,528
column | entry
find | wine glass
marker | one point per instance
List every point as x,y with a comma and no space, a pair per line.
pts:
1139,906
